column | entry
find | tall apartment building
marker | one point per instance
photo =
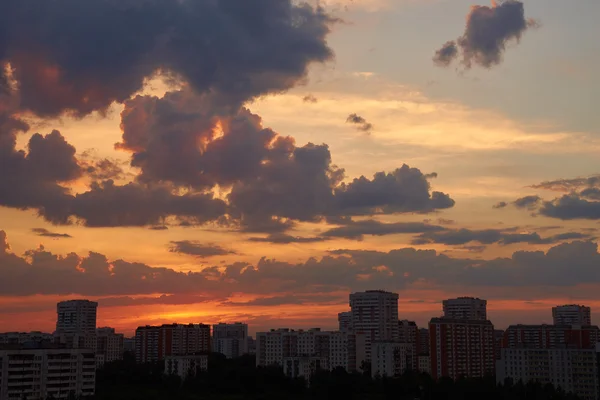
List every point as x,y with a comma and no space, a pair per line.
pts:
391,358
551,336
330,349
465,308
154,343
461,348
109,345
375,314
230,339
345,321
39,373
76,323
571,314
574,370
408,333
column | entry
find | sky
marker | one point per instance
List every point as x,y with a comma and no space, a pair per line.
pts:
217,161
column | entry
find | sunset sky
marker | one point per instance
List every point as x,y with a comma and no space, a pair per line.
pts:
257,161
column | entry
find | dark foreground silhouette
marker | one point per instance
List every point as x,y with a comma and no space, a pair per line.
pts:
241,379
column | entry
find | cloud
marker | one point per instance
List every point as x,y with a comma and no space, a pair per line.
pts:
197,249
528,202
360,122
446,54
281,238
42,272
126,301
489,236
80,57
46,233
309,98
571,206
499,205
104,169
487,32
357,230
568,185
286,300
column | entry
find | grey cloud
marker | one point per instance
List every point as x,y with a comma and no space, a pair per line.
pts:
46,233
287,300
591,193
125,301
41,272
360,122
499,205
198,249
81,56
528,202
489,236
446,54
104,169
281,238
357,230
571,206
568,185
309,98
487,32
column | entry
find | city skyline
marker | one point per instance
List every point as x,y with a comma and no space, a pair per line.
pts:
262,164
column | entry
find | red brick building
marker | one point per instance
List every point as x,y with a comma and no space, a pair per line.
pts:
461,348
154,343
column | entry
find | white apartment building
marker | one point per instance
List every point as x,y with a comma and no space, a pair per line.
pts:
230,339
76,323
571,314
109,345
183,366
465,308
573,370
390,358
333,349
24,337
37,373
375,313
345,321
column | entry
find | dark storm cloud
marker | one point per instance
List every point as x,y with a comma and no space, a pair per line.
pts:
46,233
357,230
360,123
81,56
198,249
41,272
489,236
282,238
487,32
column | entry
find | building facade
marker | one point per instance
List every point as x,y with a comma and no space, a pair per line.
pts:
408,333
375,314
470,308
424,364
573,370
345,321
184,366
333,349
551,336
391,358
423,346
109,344
571,314
154,343
461,348
16,338
39,373
76,323
230,339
